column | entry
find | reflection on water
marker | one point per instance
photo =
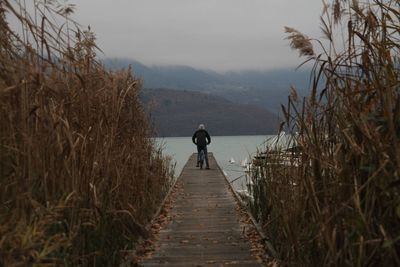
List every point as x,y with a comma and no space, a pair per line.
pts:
231,152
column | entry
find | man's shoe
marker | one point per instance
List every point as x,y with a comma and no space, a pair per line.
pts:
207,167
197,165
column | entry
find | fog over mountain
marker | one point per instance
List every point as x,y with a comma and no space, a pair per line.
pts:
265,89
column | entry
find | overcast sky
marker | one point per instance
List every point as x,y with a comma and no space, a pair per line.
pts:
210,34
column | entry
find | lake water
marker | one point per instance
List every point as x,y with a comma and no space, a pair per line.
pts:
231,152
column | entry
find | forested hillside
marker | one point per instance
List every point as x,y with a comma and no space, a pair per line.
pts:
178,113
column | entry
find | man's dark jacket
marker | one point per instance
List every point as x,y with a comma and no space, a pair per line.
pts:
201,138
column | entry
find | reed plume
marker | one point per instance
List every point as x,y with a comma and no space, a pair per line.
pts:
300,42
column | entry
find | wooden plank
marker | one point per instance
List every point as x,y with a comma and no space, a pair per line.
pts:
205,230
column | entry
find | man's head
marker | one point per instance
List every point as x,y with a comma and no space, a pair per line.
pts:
201,127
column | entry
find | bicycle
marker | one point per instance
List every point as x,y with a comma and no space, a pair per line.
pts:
202,157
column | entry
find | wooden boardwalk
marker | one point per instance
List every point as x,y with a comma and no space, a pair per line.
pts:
206,229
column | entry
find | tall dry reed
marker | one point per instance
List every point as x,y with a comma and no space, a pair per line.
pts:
79,175
335,199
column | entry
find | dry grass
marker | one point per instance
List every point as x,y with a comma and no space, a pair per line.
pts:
344,206
79,175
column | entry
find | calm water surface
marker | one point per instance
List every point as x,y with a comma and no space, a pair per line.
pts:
231,153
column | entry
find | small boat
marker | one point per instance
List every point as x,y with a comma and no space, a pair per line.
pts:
244,163
232,161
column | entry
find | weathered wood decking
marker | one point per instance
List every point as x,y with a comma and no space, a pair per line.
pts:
206,229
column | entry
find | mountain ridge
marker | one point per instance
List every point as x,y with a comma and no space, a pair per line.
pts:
265,89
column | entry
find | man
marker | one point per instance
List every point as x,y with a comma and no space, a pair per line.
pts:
201,139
